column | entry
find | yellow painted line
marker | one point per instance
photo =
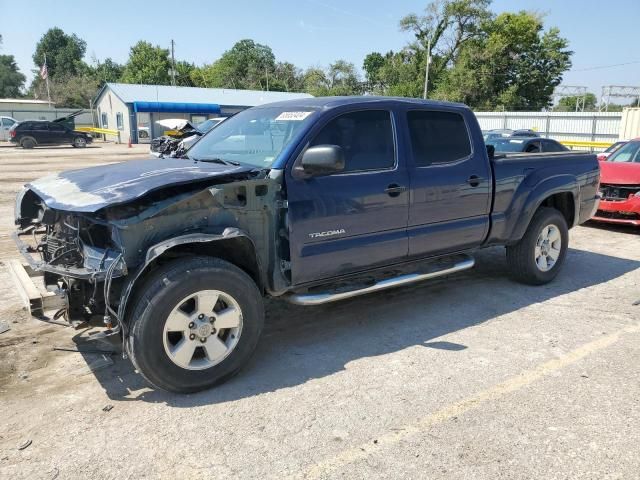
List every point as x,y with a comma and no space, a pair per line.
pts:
360,452
571,143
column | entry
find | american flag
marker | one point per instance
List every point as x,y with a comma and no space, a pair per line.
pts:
43,71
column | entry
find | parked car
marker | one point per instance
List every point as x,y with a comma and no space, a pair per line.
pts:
611,150
5,125
184,135
313,201
620,186
506,133
34,133
526,145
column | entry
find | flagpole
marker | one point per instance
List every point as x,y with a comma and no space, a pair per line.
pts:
46,79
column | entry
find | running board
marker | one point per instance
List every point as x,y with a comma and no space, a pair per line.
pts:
327,297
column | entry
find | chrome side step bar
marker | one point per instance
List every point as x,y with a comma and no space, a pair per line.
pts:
327,297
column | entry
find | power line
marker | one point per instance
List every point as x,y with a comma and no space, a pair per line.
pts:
601,67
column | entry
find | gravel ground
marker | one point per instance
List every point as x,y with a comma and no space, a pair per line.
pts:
468,377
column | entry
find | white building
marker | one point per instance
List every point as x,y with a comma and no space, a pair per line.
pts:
134,109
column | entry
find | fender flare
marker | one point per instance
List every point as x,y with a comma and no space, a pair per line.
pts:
157,250
542,191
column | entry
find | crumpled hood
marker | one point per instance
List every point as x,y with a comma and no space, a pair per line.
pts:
90,189
620,173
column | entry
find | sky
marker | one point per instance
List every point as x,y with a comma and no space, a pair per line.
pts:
309,32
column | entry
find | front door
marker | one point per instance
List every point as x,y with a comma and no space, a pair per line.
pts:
450,184
350,221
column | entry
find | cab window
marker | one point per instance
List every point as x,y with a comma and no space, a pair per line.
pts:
366,137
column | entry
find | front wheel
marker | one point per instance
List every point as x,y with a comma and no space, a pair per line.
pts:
195,323
537,258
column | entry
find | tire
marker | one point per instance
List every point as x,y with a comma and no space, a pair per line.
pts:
176,289
528,258
79,142
27,142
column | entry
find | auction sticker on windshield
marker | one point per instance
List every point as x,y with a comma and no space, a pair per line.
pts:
295,116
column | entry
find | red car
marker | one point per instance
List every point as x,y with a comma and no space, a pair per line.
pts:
620,186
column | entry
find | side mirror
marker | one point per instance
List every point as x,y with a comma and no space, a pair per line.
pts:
491,151
322,160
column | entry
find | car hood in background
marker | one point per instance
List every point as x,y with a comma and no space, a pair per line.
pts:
90,189
620,173
176,124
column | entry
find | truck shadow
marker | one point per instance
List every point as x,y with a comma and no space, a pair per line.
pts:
300,344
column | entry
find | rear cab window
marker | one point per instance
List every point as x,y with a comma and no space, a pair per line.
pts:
366,138
438,137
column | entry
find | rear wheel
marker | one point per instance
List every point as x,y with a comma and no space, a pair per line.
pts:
537,258
79,142
28,142
194,324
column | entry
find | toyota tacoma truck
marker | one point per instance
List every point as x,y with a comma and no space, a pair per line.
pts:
312,201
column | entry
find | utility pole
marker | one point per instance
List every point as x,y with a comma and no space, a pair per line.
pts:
426,70
266,72
173,64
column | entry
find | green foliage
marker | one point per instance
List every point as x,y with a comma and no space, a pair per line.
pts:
11,79
64,52
568,104
514,65
68,91
147,65
108,71
246,65
340,78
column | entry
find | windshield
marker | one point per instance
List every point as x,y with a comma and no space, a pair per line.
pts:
208,124
255,136
615,147
507,144
630,152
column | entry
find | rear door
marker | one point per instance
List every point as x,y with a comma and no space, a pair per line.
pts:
58,134
450,183
356,219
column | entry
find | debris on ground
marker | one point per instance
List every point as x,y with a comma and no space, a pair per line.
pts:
107,408
4,327
24,444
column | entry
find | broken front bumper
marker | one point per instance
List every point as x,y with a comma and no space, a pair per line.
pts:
41,293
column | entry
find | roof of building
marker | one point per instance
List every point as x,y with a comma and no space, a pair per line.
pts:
23,100
130,93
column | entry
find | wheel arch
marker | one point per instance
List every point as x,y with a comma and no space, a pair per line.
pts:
233,245
560,192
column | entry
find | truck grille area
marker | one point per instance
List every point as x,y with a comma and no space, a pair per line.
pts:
618,193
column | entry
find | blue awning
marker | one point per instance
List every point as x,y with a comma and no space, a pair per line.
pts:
176,107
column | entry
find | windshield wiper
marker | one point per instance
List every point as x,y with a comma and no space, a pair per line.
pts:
215,160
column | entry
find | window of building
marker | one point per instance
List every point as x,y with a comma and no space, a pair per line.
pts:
105,120
119,121
437,137
366,138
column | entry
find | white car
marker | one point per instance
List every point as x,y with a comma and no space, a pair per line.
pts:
186,135
5,125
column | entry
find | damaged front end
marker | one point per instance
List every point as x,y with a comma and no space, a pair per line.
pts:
86,247
71,260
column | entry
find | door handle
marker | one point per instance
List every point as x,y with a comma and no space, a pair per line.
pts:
474,180
394,190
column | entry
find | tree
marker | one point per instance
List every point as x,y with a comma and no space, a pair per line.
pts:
108,71
147,64
64,52
340,78
513,65
372,65
11,79
246,65
568,104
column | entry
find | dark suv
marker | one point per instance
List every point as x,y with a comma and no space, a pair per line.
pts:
39,132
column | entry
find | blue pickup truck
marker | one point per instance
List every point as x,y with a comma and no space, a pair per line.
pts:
312,201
